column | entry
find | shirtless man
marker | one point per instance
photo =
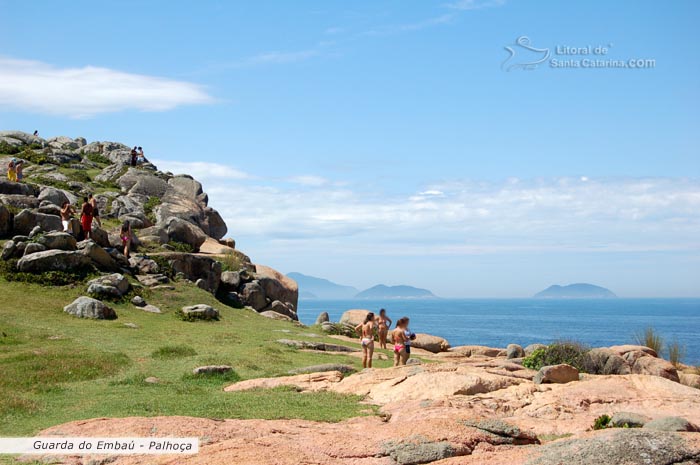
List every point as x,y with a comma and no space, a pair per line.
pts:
67,212
366,331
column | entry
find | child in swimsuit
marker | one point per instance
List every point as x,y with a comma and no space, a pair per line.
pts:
366,331
383,322
398,337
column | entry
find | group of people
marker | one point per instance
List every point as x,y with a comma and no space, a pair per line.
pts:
401,337
137,156
14,170
89,213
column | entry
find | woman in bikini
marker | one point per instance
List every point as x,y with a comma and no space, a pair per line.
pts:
383,323
126,234
398,337
366,331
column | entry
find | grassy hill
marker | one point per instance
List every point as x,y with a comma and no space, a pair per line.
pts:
58,368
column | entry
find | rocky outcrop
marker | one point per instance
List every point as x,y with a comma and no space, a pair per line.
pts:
53,260
26,220
200,312
110,286
319,381
430,343
556,374
354,317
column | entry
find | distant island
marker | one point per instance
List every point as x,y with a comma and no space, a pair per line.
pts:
311,287
394,292
575,291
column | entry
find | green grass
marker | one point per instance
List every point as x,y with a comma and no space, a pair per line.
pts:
650,338
56,368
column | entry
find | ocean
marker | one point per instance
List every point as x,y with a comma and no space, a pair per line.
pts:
499,322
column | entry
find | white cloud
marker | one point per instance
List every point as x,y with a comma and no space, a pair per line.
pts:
88,91
309,180
463,217
202,170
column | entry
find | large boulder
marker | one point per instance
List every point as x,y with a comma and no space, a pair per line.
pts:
26,220
195,267
430,343
5,221
17,188
53,260
53,195
111,173
230,280
673,424
58,241
137,181
656,367
87,307
217,225
183,231
277,286
200,312
514,351
322,318
603,361
354,317
112,285
559,374
283,309
253,295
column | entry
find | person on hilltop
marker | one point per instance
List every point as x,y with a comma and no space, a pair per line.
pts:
36,133
366,330
141,156
383,324
86,218
125,235
398,336
12,170
95,210
67,212
134,156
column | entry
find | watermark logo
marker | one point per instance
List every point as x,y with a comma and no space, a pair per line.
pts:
522,55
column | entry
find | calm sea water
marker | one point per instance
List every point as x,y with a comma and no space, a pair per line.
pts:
499,322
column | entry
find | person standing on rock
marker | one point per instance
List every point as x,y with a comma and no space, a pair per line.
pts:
125,235
410,336
134,156
383,324
366,330
95,210
67,212
12,171
141,157
398,336
19,167
86,218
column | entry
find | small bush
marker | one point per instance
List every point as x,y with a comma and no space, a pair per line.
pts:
181,247
193,317
38,158
602,422
231,262
97,158
8,270
149,208
676,352
571,353
8,149
164,265
650,338
80,176
170,352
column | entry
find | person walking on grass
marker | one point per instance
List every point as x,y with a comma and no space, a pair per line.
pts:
366,330
383,324
86,218
398,337
12,170
125,235
95,210
67,212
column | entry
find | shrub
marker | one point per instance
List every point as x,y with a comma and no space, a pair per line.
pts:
8,270
46,181
193,317
231,262
164,266
676,352
569,352
602,422
650,338
178,351
80,176
38,158
181,246
97,158
8,149
149,208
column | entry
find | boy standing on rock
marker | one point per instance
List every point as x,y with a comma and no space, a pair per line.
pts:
86,218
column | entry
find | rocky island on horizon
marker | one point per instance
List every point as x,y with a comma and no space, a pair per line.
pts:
575,291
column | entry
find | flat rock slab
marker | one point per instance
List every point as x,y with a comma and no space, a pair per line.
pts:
152,279
345,369
319,381
322,346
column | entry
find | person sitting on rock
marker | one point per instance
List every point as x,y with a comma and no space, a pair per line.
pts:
67,212
12,171
95,210
86,218
366,330
125,235
383,324
398,337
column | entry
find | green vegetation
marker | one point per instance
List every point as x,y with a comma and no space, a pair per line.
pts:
149,208
569,352
38,158
231,261
650,338
676,352
8,271
51,182
97,158
57,368
602,422
181,247
8,149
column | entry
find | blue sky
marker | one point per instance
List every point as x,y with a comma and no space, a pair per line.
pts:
373,142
